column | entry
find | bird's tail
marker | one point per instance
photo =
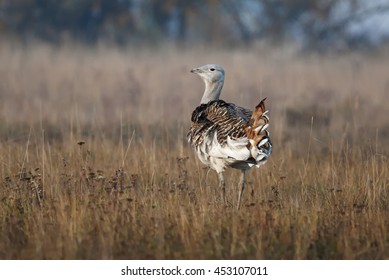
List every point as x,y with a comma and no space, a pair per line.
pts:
257,133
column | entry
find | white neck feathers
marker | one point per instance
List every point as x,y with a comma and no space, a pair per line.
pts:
212,90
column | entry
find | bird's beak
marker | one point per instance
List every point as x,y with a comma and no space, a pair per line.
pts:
196,70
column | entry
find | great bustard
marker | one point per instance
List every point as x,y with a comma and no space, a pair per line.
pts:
226,135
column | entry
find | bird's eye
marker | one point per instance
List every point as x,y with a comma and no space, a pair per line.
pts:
212,69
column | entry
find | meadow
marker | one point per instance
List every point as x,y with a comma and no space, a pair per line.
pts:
94,162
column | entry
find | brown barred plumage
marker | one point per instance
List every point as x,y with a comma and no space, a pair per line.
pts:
225,118
226,135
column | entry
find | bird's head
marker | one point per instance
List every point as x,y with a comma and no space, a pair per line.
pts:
210,73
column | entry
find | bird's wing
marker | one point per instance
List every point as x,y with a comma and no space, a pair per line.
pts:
229,123
229,120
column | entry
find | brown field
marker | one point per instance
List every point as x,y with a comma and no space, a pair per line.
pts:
94,163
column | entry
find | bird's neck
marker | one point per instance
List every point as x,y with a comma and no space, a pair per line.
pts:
212,91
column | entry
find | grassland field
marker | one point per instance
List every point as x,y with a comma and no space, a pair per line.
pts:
94,162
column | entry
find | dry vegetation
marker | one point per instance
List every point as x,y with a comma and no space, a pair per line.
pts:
94,163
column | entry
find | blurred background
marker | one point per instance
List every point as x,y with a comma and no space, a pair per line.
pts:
93,65
309,24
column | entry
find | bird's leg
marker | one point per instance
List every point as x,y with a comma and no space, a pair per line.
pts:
242,183
206,176
222,185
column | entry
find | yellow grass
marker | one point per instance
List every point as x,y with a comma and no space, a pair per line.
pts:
94,162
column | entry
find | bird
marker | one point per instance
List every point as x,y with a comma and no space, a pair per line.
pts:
224,135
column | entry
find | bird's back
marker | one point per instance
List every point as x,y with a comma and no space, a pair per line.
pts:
218,134
226,119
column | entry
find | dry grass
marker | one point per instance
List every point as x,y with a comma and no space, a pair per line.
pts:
134,188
